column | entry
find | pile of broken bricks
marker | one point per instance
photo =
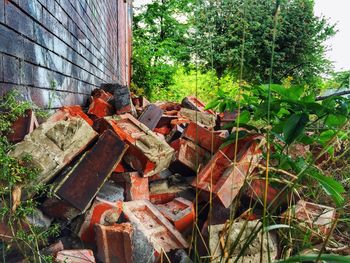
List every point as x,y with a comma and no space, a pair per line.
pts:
134,180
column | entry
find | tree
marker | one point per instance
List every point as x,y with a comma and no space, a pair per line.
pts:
160,42
223,25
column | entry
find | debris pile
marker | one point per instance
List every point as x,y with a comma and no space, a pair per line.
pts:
136,181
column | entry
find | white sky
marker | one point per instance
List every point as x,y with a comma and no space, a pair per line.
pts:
338,11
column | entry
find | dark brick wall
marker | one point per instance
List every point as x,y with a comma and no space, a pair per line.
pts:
56,51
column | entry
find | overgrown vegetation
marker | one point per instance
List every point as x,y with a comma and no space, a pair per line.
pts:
15,177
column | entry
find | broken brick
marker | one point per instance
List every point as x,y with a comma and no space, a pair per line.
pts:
224,178
154,226
201,136
205,119
317,217
226,118
100,108
92,170
193,103
53,145
189,157
122,97
22,126
101,94
56,208
175,133
69,112
146,153
52,249
75,256
180,212
151,116
136,186
165,130
101,212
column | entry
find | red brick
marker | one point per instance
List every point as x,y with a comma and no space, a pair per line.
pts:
154,226
317,217
209,140
147,153
193,103
56,208
226,118
189,157
75,256
100,108
22,126
114,243
69,112
101,94
136,186
180,212
165,130
92,170
224,179
101,212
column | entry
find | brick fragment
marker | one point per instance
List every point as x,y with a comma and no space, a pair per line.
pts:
122,97
180,212
52,249
313,216
101,212
75,256
69,112
136,186
154,226
147,153
23,126
151,116
224,178
189,157
205,119
100,108
114,243
201,136
101,94
226,118
53,145
56,208
175,133
193,103
92,170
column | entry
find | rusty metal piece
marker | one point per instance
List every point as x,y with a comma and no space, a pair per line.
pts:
92,171
180,212
189,157
22,126
201,136
224,178
193,103
69,112
101,212
154,226
151,116
75,256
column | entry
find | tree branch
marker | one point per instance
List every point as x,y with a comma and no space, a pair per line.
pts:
340,93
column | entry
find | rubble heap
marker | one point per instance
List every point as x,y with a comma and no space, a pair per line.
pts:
133,181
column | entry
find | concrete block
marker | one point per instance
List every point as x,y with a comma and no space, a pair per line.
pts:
205,119
69,112
53,145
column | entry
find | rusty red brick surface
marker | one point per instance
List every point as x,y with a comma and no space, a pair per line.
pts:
101,212
92,171
23,126
180,212
100,108
224,178
201,136
114,243
154,226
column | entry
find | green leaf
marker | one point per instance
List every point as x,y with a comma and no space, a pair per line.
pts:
294,127
222,106
313,258
244,116
212,104
332,188
337,120
326,136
